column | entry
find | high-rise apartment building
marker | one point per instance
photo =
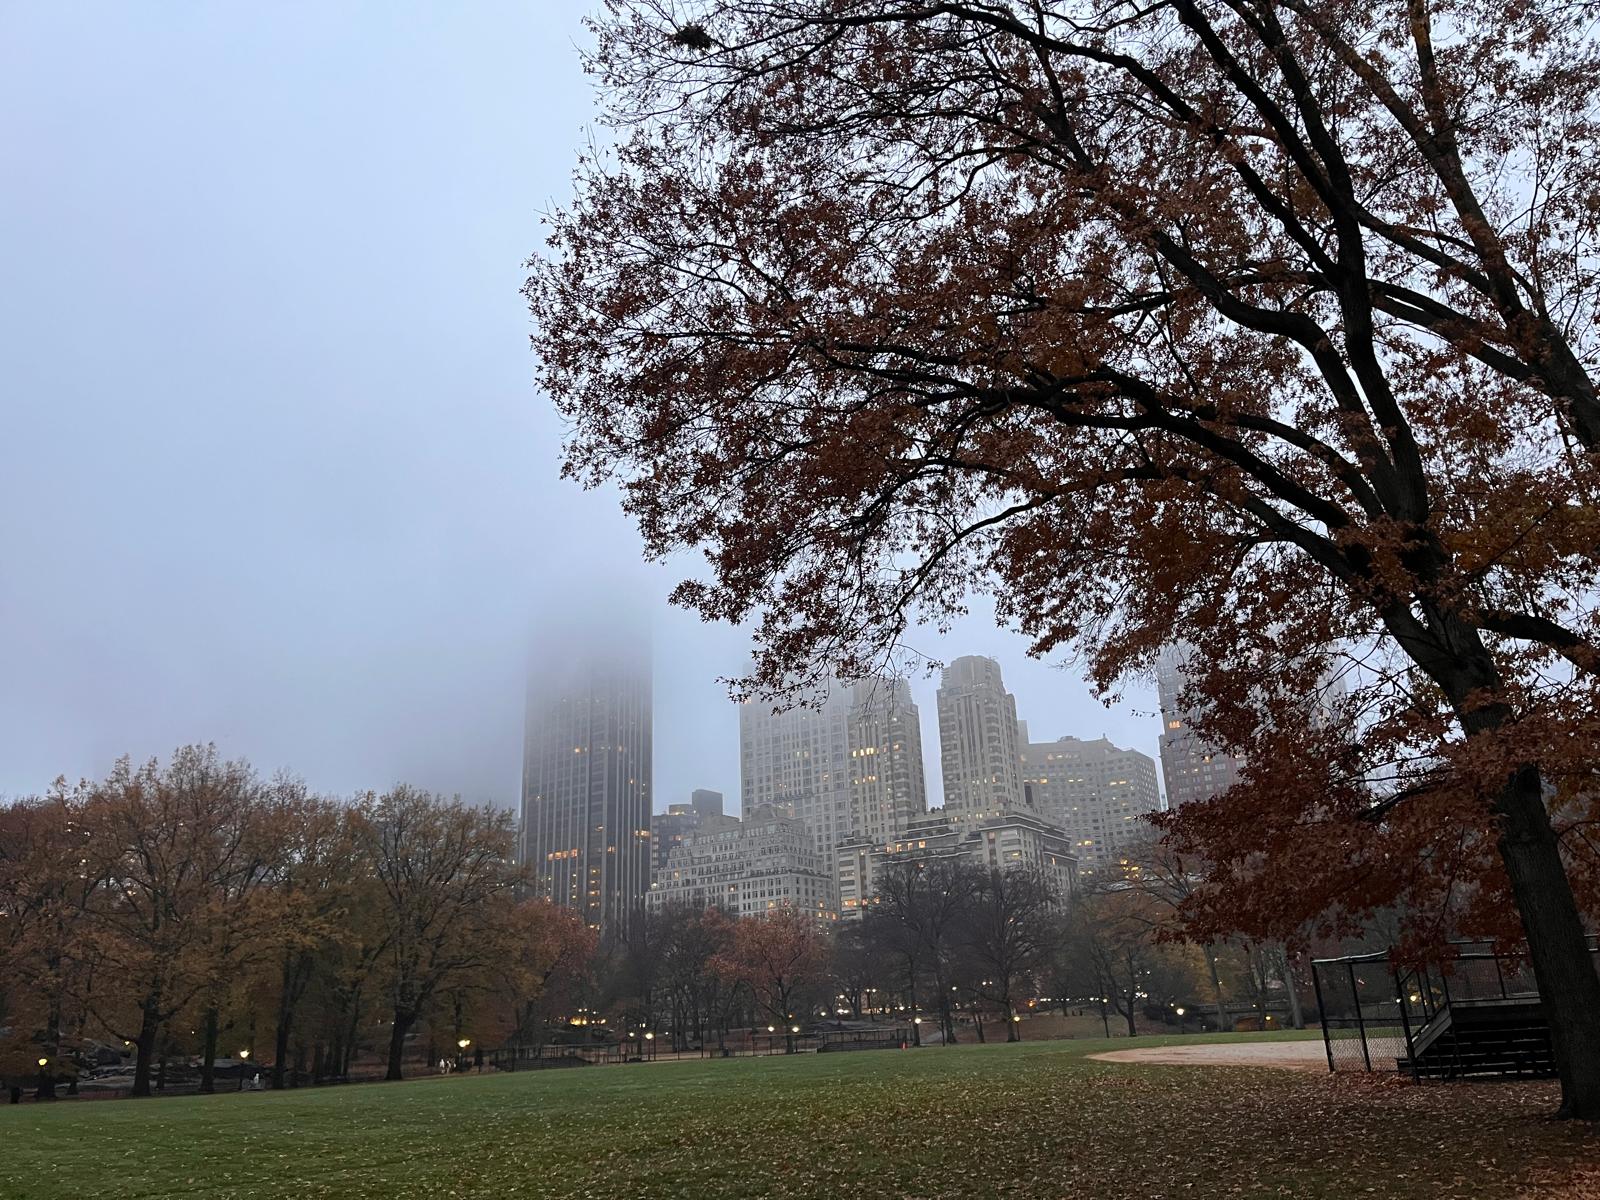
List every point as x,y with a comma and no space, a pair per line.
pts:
1097,793
668,830
1193,768
979,752
748,869
1002,843
887,785
798,761
586,776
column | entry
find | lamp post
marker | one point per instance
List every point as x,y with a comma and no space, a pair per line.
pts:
650,1037
1181,1011
47,1084
244,1056
461,1058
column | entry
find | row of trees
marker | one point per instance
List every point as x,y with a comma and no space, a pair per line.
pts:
188,909
948,943
193,910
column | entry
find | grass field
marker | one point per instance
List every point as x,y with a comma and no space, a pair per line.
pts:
1039,1119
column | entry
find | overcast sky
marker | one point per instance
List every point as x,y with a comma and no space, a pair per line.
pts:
275,474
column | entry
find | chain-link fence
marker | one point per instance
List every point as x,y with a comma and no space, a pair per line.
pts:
1363,1020
1377,1016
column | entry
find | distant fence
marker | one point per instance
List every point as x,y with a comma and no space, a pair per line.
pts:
741,1043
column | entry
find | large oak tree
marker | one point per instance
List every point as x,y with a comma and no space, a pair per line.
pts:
1263,325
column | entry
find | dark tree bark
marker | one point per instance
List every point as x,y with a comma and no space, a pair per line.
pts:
144,1046
208,1057
397,1042
1569,988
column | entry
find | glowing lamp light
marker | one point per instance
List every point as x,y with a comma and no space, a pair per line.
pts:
794,1029
44,1062
772,1029
1180,1012
649,1037
244,1054
464,1043
1015,1017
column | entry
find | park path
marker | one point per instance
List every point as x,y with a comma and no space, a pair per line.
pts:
1300,1056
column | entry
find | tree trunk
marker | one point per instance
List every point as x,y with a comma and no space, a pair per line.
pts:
1569,988
1132,1003
145,1047
1216,989
397,1042
1013,1026
1297,1016
352,1034
286,1006
208,1054
911,997
47,1074
977,1022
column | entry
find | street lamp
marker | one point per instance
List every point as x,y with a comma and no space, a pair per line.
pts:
461,1058
1181,1011
243,1056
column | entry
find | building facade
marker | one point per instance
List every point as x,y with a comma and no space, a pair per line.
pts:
747,868
1192,768
668,829
798,761
586,772
980,754
1095,792
888,789
993,843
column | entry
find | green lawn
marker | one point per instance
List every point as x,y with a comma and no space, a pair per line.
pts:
1038,1119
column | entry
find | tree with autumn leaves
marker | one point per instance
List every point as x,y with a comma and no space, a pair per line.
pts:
184,908
1264,326
782,957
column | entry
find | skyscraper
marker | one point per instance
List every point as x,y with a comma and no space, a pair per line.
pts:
798,761
1193,768
887,786
979,753
1096,792
586,776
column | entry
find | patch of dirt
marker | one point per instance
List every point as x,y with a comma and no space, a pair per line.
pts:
1297,1056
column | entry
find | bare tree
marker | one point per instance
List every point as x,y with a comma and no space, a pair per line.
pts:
1008,934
